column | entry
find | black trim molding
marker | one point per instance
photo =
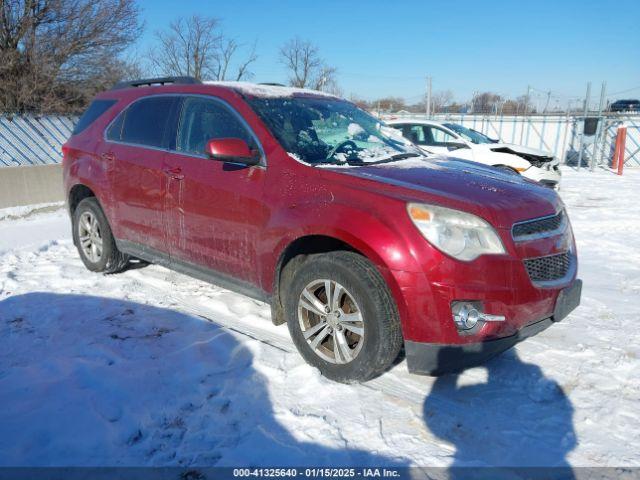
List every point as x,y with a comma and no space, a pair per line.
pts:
196,271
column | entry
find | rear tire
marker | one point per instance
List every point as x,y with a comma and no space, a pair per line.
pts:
355,334
94,240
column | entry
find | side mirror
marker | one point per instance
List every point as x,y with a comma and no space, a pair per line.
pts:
233,150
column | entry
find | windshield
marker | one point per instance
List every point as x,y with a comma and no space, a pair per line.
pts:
468,134
323,130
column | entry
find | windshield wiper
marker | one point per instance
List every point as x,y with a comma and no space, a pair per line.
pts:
338,162
395,157
361,163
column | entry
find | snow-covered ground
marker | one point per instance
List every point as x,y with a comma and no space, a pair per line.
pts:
150,367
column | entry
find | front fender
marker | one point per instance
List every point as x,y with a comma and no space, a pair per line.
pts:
383,243
380,242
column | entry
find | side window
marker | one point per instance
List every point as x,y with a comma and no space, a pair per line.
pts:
204,119
145,122
416,134
95,110
115,130
440,137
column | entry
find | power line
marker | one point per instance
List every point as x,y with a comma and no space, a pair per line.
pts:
625,91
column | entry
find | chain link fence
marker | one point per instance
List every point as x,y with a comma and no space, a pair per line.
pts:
563,135
31,140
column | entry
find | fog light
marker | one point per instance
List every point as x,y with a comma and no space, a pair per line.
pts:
469,317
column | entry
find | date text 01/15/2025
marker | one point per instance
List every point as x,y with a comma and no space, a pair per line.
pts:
317,472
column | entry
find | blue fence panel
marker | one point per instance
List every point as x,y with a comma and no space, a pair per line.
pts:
31,140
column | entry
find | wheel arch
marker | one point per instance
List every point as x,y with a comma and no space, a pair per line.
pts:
314,243
77,193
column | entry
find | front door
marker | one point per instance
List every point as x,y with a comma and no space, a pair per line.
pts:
436,140
440,141
217,210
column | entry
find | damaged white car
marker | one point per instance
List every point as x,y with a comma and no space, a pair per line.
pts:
454,140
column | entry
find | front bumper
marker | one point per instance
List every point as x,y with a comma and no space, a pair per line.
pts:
440,359
549,177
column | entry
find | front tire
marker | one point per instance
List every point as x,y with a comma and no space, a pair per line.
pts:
94,240
342,316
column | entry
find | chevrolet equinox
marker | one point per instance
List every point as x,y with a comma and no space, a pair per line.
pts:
360,243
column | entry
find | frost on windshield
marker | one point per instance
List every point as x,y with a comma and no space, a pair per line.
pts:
329,131
354,130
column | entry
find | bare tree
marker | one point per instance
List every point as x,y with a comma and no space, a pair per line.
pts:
187,47
359,102
486,102
325,80
441,99
389,104
224,58
197,47
518,106
306,68
55,54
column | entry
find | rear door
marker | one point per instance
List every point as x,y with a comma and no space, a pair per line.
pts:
217,208
137,141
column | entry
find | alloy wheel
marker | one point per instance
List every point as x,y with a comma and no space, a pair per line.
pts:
331,321
90,236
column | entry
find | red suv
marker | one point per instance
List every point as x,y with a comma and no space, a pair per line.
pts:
359,242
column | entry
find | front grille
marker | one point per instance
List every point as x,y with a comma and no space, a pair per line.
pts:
539,227
546,269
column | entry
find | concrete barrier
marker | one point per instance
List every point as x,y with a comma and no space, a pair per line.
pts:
30,185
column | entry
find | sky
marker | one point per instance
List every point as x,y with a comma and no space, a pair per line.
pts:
388,48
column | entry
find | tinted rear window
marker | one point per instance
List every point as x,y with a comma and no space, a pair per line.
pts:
97,108
145,122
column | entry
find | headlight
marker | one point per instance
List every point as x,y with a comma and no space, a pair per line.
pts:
462,235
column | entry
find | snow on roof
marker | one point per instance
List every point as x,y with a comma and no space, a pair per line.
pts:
268,91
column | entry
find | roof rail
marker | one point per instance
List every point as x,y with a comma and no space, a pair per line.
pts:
272,84
147,82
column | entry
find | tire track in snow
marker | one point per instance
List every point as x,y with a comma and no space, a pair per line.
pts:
397,382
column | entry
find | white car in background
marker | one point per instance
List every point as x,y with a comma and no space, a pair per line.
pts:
454,140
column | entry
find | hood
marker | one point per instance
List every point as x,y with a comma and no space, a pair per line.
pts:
501,198
527,153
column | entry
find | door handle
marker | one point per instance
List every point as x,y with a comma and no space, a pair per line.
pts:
174,172
108,157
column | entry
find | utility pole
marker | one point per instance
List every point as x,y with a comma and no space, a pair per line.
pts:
600,130
473,102
546,105
563,156
526,100
428,105
524,112
586,110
